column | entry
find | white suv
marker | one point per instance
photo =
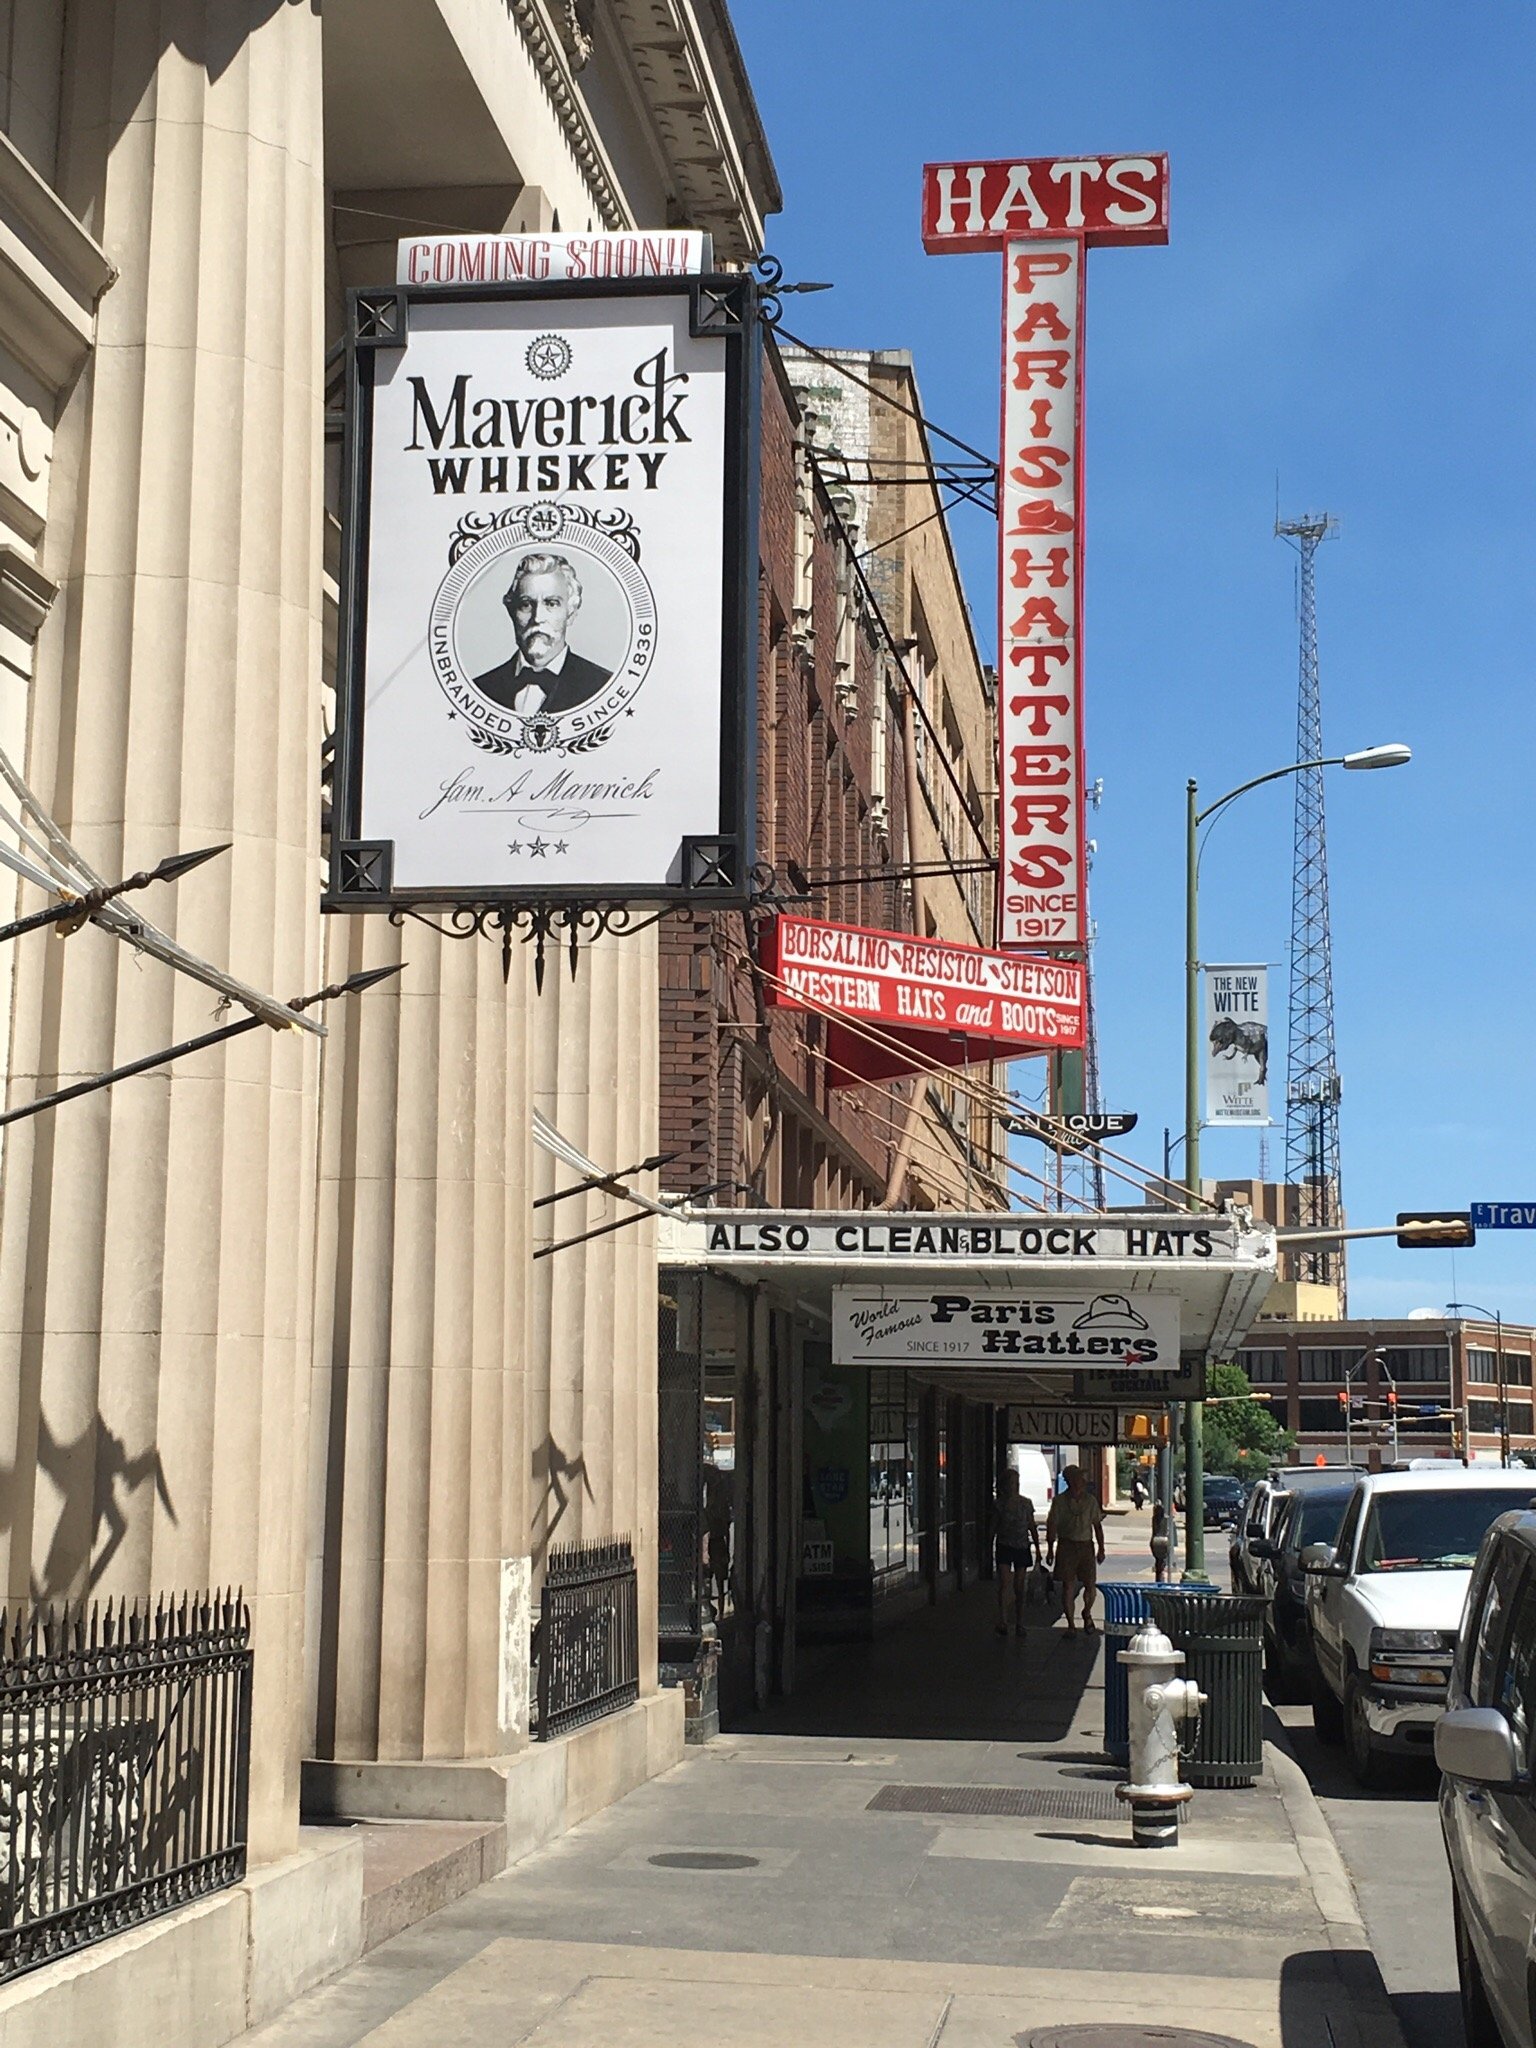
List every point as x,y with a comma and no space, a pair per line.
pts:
1384,1604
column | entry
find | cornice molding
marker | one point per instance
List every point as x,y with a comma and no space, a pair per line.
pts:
26,594
51,274
545,47
705,124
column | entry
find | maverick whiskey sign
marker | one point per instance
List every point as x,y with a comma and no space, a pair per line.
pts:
547,656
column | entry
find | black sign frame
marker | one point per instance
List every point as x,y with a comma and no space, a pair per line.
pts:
718,869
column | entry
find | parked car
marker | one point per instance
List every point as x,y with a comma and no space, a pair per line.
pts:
1384,1605
1312,1515
1484,1745
1261,1519
1223,1501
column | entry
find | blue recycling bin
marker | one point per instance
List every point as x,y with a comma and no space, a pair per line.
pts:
1125,1612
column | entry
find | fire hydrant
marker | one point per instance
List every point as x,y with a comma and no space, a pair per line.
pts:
1160,1702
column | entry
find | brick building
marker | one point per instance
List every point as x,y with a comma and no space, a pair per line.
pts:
1459,1386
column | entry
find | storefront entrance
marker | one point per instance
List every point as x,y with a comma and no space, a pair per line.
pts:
814,1505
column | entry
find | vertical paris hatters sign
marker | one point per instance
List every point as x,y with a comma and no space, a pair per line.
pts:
1044,214
547,661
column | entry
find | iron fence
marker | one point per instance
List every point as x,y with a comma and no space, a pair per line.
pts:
125,1742
586,1645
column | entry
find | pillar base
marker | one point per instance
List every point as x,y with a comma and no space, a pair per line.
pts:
536,1793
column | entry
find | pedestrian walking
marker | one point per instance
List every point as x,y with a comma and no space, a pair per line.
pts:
1018,1549
1138,1491
1162,1541
1074,1537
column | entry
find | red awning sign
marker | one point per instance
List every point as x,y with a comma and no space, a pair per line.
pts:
919,1002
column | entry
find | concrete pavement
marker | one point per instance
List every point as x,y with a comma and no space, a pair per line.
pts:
848,1872
1391,1846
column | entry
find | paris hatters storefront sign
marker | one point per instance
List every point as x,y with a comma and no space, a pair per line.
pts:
546,658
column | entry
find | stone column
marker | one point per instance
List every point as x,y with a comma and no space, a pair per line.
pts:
419,1521
592,1415
156,1241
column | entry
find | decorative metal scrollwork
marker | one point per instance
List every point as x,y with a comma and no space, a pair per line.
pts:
541,925
770,275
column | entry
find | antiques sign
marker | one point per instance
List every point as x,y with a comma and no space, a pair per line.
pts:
1043,214
991,1326
548,611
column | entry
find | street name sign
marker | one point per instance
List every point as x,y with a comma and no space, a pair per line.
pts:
1504,1215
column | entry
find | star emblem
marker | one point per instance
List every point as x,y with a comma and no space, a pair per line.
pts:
516,846
561,847
537,848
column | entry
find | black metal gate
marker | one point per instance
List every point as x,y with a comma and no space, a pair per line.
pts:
586,1646
125,1744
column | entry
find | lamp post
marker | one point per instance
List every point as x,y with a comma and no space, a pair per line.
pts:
1390,756
1459,1308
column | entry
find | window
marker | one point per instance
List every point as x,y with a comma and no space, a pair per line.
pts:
1264,1368
1520,1417
1321,1418
1345,1546
1483,1416
1482,1366
1485,1632
1326,1365
1517,1368
1516,1686
1417,1364
1431,1531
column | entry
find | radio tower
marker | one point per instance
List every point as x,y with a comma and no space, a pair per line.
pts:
1312,1076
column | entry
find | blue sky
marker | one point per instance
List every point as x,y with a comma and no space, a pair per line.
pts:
1346,301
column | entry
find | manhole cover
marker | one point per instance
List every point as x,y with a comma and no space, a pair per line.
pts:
1136,2036
1014,1801
702,1859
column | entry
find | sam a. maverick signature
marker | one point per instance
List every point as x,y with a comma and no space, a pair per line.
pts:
564,792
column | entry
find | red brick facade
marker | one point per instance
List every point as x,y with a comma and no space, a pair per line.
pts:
747,1100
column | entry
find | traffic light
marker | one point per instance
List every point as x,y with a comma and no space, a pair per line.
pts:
1438,1230
1392,1398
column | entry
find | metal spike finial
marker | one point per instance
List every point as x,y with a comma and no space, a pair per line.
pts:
175,865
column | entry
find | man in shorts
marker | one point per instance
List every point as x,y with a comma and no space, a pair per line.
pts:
1074,1538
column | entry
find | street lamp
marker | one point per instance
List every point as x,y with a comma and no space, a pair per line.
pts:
1393,755
1461,1308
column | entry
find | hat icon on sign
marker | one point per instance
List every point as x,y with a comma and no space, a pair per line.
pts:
1110,1312
1039,515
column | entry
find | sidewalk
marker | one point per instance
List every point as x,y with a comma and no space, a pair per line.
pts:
872,1890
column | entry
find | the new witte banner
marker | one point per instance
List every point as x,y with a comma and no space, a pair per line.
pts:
993,1326
545,660
1237,1045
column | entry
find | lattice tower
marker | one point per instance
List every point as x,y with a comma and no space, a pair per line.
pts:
1312,1074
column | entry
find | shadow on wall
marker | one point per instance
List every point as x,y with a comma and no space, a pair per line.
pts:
97,1461
553,1466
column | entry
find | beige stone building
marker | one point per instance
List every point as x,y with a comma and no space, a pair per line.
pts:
272,1316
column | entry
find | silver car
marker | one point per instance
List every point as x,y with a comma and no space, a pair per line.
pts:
1485,1744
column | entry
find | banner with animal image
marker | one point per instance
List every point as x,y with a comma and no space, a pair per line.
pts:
1236,1045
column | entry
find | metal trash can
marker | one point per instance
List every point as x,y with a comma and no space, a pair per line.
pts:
1222,1637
